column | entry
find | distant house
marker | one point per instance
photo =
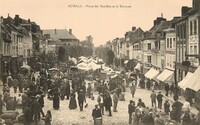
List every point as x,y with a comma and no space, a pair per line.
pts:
62,34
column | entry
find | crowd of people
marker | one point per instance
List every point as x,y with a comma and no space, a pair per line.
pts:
73,87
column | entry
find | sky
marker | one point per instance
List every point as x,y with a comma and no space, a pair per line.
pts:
103,23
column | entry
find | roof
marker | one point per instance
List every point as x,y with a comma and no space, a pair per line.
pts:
59,34
151,34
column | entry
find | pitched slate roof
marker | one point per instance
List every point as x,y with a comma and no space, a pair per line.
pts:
158,28
59,34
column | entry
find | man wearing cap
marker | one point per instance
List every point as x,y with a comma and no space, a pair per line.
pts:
100,101
153,99
159,99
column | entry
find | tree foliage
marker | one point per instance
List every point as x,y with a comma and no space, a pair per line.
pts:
105,53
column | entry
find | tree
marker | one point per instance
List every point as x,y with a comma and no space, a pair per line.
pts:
110,56
62,54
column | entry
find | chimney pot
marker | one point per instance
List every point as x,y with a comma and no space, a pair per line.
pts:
55,31
133,28
70,31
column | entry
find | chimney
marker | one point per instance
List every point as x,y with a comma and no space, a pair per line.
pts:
17,20
133,28
158,20
1,21
196,4
70,31
29,21
184,10
55,31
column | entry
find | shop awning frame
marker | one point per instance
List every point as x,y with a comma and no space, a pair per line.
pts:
166,75
194,80
152,73
185,81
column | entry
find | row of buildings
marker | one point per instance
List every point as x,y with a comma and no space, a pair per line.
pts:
22,40
170,48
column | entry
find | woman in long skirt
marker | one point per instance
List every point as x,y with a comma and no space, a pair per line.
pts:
72,102
56,101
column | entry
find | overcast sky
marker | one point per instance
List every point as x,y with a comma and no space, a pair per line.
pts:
103,24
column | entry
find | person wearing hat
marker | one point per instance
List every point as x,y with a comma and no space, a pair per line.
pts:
115,101
81,99
153,99
100,100
140,103
159,99
131,110
167,107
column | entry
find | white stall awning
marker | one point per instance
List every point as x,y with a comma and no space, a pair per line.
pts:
194,80
152,73
165,75
185,82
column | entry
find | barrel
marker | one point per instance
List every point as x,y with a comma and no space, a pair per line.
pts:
98,121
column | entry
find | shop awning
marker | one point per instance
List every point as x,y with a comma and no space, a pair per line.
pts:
138,66
152,73
194,80
184,83
166,75
126,61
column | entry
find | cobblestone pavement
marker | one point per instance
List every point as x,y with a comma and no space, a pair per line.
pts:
65,116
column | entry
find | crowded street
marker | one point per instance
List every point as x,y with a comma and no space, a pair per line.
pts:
100,62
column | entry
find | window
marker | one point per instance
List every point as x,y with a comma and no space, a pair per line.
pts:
149,46
195,49
177,30
167,42
195,26
149,59
174,43
191,51
191,28
170,44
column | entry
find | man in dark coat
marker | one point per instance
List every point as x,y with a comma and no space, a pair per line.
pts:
167,89
140,103
108,103
167,107
10,104
159,99
96,113
81,99
41,101
62,91
131,109
67,89
177,107
56,101
36,109
100,100
28,116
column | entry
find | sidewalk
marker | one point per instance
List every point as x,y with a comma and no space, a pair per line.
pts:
181,99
